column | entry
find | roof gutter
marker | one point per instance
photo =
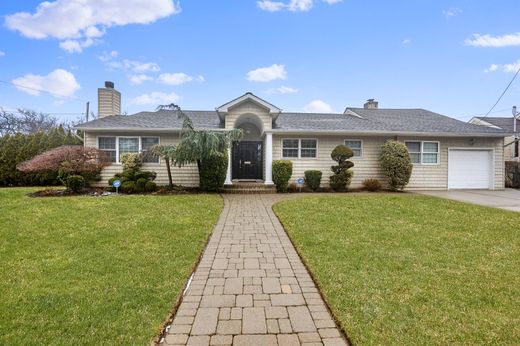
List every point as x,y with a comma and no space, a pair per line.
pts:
313,132
393,133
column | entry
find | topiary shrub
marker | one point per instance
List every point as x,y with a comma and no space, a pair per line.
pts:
372,185
75,183
140,185
213,172
282,172
396,164
313,179
342,175
128,187
150,186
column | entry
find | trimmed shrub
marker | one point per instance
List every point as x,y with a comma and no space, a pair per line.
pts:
140,185
150,186
148,175
282,172
75,183
341,181
213,172
396,164
313,179
342,175
372,185
128,187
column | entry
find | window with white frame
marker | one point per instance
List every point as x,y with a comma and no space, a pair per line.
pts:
299,148
356,145
146,144
423,152
128,145
308,148
290,148
116,147
108,145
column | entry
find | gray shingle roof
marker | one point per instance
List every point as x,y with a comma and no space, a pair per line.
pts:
369,121
505,123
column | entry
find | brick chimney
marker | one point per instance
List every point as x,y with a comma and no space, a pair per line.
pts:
371,104
109,101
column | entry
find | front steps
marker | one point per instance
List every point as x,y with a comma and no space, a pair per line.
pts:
249,188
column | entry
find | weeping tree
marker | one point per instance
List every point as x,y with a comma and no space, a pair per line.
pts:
203,147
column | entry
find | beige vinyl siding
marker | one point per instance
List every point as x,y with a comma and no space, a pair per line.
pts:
433,177
509,151
185,176
256,112
366,166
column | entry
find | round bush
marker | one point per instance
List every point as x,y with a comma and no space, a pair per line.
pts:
313,179
150,186
341,181
282,172
372,185
396,164
341,153
128,187
140,184
75,183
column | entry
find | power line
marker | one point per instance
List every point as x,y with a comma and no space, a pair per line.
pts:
40,90
504,92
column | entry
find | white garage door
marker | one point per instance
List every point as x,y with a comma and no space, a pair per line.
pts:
470,169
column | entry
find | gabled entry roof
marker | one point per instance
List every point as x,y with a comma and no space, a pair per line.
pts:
248,97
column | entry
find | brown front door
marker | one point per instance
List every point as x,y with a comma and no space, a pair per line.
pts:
247,160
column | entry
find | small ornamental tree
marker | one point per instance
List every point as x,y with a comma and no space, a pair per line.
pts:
167,153
282,172
396,164
342,175
68,161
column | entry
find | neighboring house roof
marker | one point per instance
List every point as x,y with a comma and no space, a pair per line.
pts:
504,123
355,120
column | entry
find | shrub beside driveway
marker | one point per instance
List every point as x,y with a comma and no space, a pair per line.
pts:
412,270
92,271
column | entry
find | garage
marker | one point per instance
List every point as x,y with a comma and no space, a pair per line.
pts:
470,169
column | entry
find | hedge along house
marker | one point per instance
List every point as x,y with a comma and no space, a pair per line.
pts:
446,153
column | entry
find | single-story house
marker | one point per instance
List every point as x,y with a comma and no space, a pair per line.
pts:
446,153
507,124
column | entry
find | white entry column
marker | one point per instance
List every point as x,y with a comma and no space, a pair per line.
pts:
268,158
228,173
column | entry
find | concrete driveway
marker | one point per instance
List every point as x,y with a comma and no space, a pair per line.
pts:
508,199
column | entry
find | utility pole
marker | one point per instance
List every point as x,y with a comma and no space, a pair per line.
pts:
88,111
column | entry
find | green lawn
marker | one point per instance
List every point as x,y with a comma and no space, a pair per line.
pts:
93,271
404,269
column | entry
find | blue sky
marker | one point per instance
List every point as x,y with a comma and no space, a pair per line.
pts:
320,55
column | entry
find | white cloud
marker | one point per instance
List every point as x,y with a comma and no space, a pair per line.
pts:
479,40
291,5
406,41
155,98
267,74
508,68
318,106
59,82
174,78
282,90
107,56
80,20
2,53
137,79
300,5
133,65
76,46
452,12
270,6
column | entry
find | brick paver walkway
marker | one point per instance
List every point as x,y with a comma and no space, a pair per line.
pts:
251,287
